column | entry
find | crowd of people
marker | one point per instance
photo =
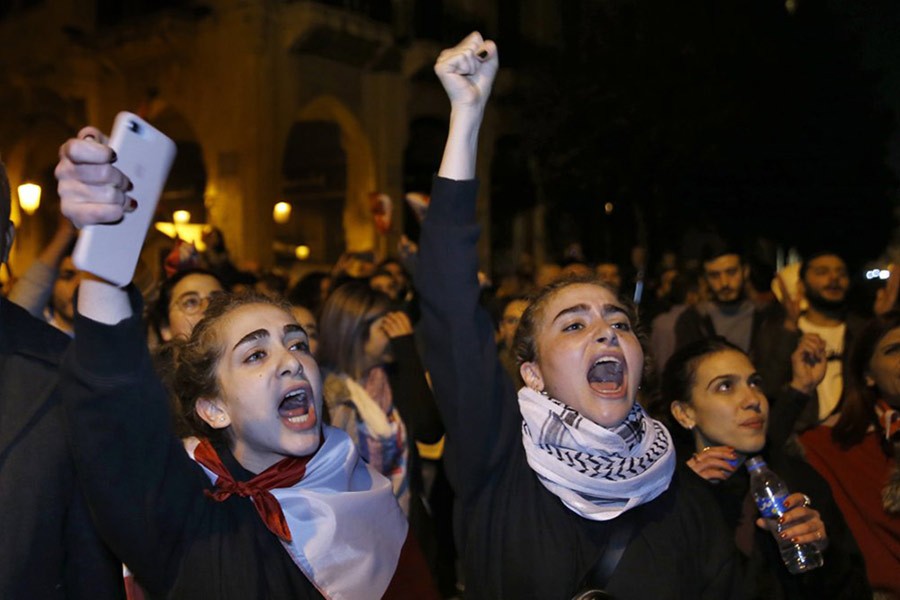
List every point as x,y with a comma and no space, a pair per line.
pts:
406,429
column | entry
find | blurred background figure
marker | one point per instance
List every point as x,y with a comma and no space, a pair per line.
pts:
858,450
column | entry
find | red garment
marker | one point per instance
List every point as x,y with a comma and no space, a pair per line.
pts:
284,473
857,476
412,579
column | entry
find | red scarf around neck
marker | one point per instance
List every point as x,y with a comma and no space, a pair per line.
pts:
282,474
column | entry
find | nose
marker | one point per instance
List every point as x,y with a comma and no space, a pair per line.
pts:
752,400
605,334
290,364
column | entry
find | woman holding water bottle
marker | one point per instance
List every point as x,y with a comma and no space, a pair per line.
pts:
714,393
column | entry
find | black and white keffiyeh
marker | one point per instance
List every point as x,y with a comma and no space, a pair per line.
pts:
597,472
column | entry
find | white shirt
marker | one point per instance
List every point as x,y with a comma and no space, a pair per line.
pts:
829,391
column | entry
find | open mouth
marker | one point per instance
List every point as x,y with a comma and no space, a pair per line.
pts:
607,375
297,410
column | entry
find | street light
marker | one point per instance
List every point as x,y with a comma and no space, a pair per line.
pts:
302,252
282,213
29,197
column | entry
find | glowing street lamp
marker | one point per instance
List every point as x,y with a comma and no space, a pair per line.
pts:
282,213
29,197
302,252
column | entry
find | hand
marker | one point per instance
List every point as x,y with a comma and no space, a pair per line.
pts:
714,463
886,297
800,524
790,303
407,248
91,190
808,362
396,324
467,71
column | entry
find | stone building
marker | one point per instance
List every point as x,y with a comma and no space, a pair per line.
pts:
316,103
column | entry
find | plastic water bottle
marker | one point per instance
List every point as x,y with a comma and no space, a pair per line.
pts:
770,492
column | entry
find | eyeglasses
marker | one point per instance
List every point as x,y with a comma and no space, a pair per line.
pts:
193,303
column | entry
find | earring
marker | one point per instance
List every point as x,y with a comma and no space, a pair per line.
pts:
544,393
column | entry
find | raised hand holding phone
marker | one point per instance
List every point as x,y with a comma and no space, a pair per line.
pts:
143,158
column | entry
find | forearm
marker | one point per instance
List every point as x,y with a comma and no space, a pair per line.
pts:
475,398
412,396
461,149
32,290
143,490
787,406
103,302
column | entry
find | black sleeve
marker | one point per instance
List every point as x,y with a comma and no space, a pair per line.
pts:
843,574
144,492
476,399
786,407
412,396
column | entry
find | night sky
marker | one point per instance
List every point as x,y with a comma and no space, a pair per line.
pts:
705,118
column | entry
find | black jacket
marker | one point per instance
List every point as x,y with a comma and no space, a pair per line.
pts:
48,545
516,538
843,575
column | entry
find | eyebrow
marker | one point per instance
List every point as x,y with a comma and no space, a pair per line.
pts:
607,310
252,337
294,328
262,334
717,378
187,293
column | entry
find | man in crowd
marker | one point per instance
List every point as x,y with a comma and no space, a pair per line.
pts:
48,546
728,312
823,283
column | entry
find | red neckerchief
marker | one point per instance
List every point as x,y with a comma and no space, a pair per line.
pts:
282,474
889,418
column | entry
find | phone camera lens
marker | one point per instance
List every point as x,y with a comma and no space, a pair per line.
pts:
133,126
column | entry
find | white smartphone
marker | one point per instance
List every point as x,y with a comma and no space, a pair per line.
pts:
144,155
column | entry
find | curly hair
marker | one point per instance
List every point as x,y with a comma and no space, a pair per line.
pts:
197,358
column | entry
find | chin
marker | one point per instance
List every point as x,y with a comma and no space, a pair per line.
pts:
611,418
750,447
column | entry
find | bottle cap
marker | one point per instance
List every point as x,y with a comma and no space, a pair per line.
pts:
754,463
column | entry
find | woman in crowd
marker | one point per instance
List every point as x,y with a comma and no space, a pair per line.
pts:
857,450
571,488
267,502
375,386
307,320
714,393
375,390
181,302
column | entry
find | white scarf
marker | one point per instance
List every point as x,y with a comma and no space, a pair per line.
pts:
598,473
379,433
346,526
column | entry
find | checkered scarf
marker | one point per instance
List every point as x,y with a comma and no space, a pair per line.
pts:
597,472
